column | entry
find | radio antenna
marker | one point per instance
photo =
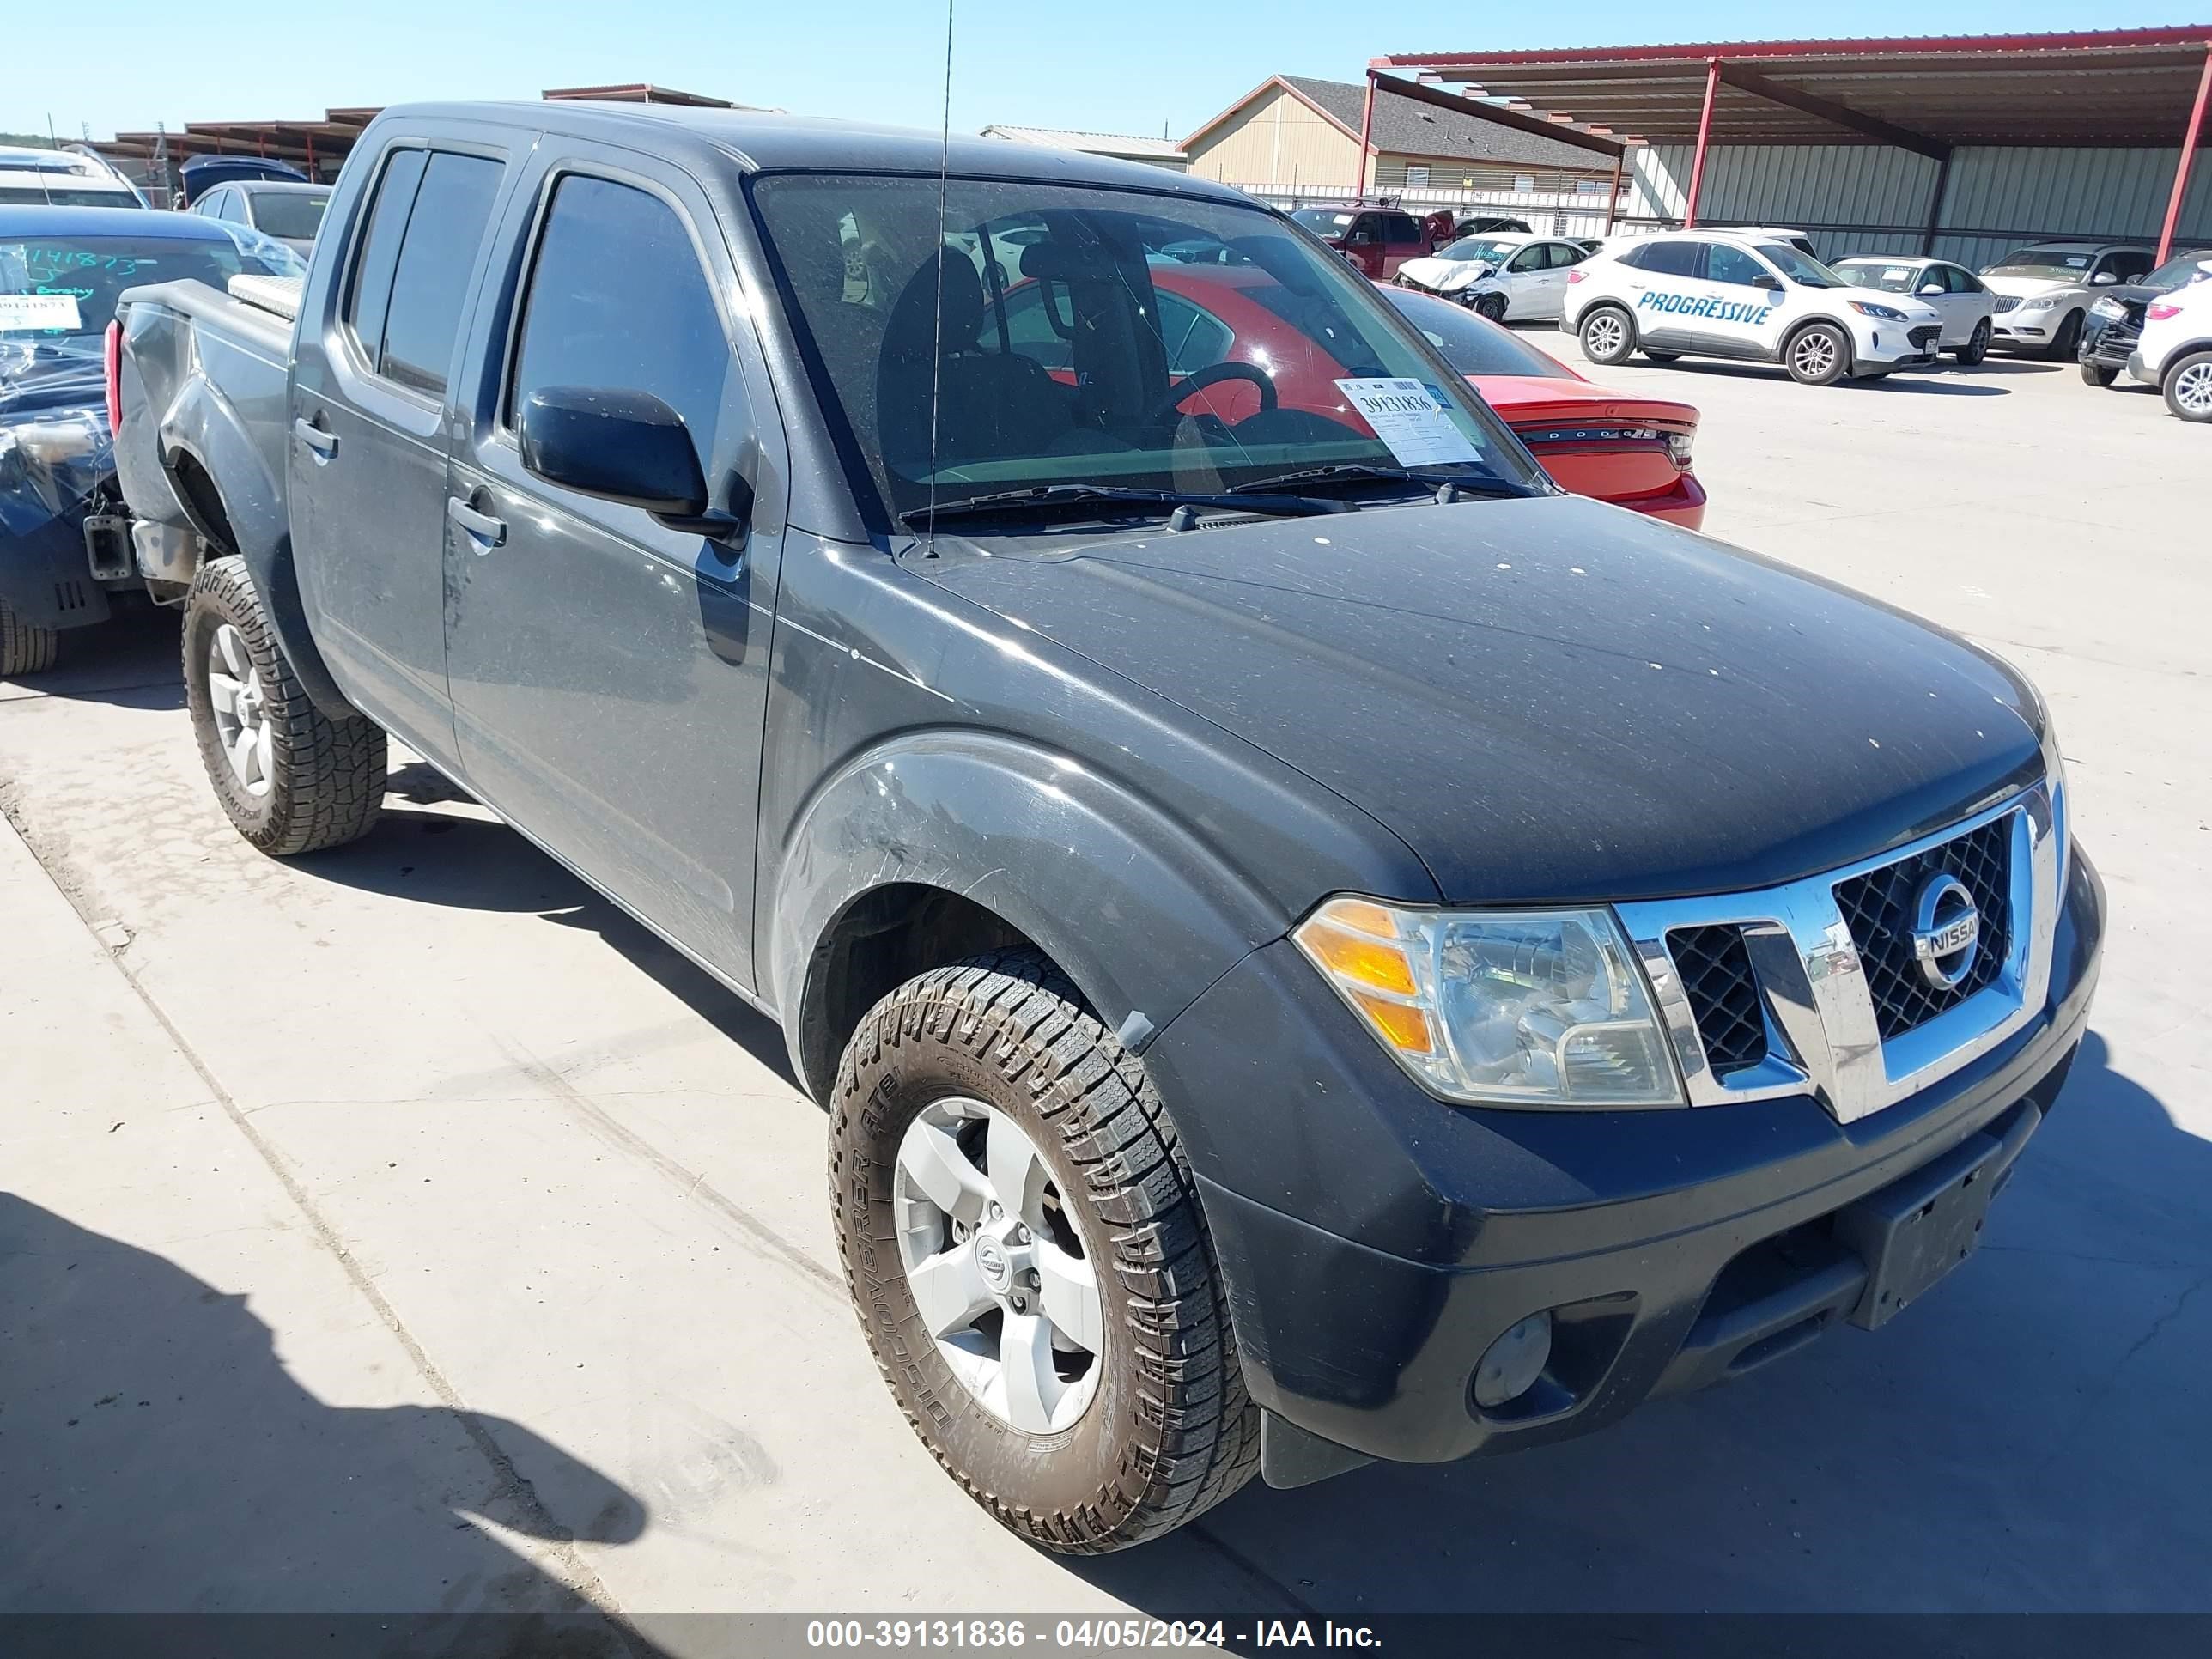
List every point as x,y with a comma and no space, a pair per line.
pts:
937,348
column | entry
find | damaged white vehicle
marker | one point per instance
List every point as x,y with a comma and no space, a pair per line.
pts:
1508,278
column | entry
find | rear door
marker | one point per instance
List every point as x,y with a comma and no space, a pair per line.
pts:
1402,241
367,456
609,674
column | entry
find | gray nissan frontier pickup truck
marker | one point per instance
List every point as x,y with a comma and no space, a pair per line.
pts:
1316,945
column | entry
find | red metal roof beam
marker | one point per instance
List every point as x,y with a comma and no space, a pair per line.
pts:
2190,139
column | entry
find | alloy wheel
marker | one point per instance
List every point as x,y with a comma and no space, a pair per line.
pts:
2192,390
1605,335
1813,355
997,1271
240,709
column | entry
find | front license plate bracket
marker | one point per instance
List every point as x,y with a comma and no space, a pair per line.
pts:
1914,1232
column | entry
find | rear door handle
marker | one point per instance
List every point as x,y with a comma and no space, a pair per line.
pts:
325,444
491,532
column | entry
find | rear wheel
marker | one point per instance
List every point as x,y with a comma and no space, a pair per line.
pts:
1607,335
1818,355
1977,346
2188,386
2068,340
2098,373
1024,1244
25,649
292,779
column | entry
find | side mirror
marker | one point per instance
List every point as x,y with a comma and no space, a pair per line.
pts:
2104,279
1934,288
1770,282
1360,239
627,446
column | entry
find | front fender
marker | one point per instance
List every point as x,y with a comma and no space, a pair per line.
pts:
1141,913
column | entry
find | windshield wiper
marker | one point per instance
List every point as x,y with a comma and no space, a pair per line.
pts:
1051,497
1482,483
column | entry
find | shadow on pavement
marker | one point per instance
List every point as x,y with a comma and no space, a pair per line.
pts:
2032,1438
158,1457
434,857
131,660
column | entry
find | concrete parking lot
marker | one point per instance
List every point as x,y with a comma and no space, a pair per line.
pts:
403,1229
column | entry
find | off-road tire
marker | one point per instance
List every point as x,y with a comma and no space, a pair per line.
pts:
1836,365
1172,1431
326,775
1611,352
25,649
2067,341
2182,380
2098,373
1977,346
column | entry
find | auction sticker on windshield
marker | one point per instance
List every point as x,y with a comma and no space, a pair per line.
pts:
39,311
1411,422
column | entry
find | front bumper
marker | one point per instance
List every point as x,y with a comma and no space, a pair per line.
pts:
2022,327
1376,1242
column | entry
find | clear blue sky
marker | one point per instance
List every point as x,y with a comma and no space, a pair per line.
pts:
1123,66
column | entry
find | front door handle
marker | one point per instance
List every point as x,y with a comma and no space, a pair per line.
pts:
325,444
486,530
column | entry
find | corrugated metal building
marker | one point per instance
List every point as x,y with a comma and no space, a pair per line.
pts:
1963,147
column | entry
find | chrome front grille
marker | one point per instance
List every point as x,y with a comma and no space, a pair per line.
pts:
1813,988
1877,907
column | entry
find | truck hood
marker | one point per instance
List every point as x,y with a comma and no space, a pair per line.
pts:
1546,699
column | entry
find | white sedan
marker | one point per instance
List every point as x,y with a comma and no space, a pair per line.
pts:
1504,276
1969,305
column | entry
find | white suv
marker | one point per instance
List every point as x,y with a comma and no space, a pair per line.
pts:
1729,294
2174,351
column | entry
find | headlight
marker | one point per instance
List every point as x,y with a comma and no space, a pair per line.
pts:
2112,308
1501,1007
2039,302
1867,308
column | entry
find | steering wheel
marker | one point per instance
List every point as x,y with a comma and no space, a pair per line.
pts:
1213,374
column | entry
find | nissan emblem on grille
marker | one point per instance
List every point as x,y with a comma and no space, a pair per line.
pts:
1946,931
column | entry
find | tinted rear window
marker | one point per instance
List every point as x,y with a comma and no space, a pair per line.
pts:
430,285
1669,259
289,213
1469,345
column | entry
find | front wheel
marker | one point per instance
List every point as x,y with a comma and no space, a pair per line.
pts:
2094,373
2068,340
1818,355
1490,307
292,779
1023,1241
2188,386
25,649
1977,346
1608,336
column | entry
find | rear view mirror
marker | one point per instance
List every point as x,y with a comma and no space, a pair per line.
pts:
627,446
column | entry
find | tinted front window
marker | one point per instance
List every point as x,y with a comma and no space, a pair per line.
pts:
430,284
289,213
1724,264
1801,268
644,321
1469,345
935,404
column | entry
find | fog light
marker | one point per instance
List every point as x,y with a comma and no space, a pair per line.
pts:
1512,1365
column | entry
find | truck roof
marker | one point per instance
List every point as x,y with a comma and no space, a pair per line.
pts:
764,141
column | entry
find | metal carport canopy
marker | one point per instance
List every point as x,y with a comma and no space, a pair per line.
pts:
2100,87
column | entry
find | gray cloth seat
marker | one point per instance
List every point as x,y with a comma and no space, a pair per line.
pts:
992,404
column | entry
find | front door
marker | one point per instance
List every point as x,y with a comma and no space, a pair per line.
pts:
609,674
1740,315
366,447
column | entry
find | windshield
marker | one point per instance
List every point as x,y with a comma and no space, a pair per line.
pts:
289,213
1324,221
78,277
1876,273
2051,265
2180,271
1490,250
1092,363
1801,268
1470,344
